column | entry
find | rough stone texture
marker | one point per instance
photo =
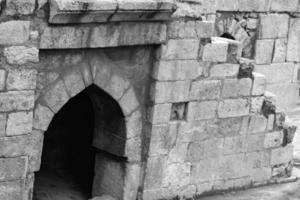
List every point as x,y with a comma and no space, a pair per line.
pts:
16,100
14,32
12,190
258,124
264,51
74,83
273,139
273,26
19,55
180,49
281,5
233,108
282,155
215,52
13,168
110,35
19,123
293,47
205,90
280,50
21,79
24,7
224,70
161,113
202,110
236,87
259,84
42,117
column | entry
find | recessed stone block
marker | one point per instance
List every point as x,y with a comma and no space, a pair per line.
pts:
202,110
179,111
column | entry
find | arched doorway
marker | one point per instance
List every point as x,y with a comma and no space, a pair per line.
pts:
84,147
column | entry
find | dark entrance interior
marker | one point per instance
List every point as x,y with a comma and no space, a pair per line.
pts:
83,147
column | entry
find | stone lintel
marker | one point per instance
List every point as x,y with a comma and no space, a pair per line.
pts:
89,11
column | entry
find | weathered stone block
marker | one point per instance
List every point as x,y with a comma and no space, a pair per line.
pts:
264,51
231,166
20,55
213,147
282,155
202,110
160,113
282,5
24,79
228,127
73,82
56,97
19,123
2,79
177,174
257,104
14,32
195,152
273,139
234,145
186,9
192,131
277,72
177,91
13,168
224,70
177,70
205,90
255,142
273,26
116,86
154,172
203,171
259,84
233,108
280,50
236,87
293,48
258,124
12,190
42,117
181,29
180,49
178,153
205,29
16,100
24,7
215,52
3,119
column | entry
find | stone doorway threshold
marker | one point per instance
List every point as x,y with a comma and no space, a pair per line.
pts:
50,186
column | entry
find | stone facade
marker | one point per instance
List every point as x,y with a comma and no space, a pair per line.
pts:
196,108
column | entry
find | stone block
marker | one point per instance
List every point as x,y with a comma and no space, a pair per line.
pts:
252,23
13,168
271,121
234,145
224,70
56,97
255,142
282,155
284,6
20,55
163,92
256,104
280,50
259,84
104,35
233,108
234,51
195,152
186,9
19,123
177,70
229,127
236,87
24,79
177,174
261,176
74,83
14,32
16,7
293,46
129,102
154,172
264,51
178,154
215,52
192,131
160,113
213,148
116,86
182,29
273,139
202,110
231,166
245,5
2,79
16,100
277,72
3,120
12,190
273,26
205,29
205,90
203,171
42,117
258,124
180,49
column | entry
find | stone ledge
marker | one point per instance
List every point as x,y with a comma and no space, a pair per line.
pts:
83,11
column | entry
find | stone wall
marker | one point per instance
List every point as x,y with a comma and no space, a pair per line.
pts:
198,117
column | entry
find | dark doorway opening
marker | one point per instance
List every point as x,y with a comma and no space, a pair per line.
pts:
68,157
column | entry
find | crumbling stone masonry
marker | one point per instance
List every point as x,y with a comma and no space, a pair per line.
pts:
190,77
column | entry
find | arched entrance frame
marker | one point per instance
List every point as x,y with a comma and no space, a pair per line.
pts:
75,80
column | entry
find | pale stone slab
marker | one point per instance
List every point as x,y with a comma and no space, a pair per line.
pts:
264,51
236,87
2,79
205,90
20,7
154,172
16,100
233,108
14,32
282,155
284,6
293,48
20,55
255,142
280,50
42,117
181,29
180,49
19,123
13,168
173,70
24,79
12,190
273,26
160,113
258,124
177,174
224,70
202,110
104,35
259,84
273,139
116,86
215,52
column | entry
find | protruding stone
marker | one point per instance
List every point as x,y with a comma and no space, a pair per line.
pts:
259,84
19,55
202,110
19,123
236,87
273,139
